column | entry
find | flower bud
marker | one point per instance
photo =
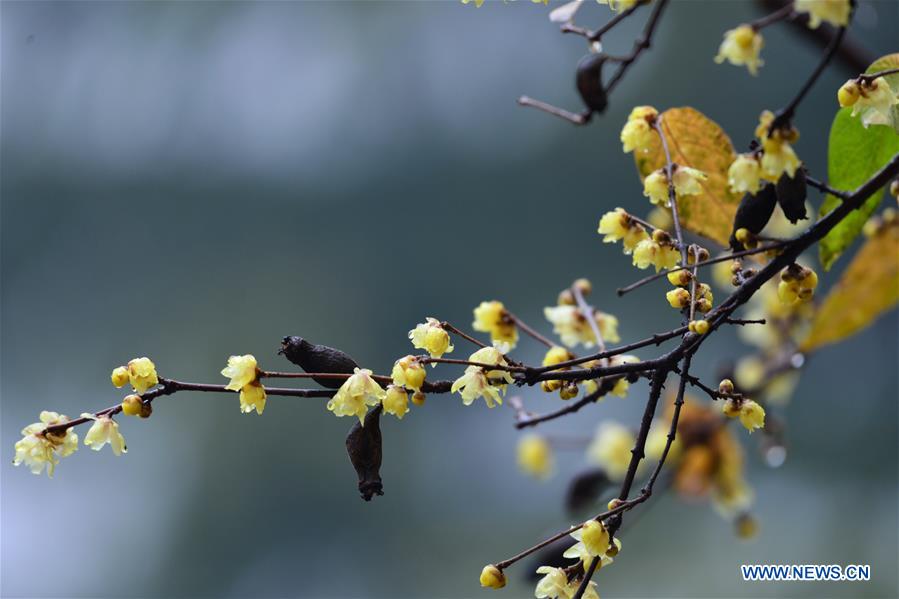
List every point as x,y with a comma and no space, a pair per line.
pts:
566,298
131,405
569,390
492,577
614,503
752,415
848,93
703,305
680,278
584,286
146,409
120,376
678,298
700,327
726,386
418,398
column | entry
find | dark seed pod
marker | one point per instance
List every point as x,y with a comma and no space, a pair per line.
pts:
363,445
791,193
585,488
589,82
753,213
318,358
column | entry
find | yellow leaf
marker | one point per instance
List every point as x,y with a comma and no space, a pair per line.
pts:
867,288
696,141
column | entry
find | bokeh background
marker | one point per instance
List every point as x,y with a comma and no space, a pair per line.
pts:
191,180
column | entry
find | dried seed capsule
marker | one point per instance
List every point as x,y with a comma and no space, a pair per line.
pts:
589,82
753,213
363,445
791,193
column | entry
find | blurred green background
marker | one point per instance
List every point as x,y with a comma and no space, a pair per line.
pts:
190,180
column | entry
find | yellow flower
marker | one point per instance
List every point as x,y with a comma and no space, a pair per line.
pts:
252,396
742,46
242,370
475,382
37,449
875,102
492,317
571,326
356,394
744,174
142,374
752,415
637,134
396,401
835,12
700,327
580,551
104,430
431,337
618,224
595,537
655,187
688,181
492,577
535,456
408,372
611,449
553,585
120,376
778,156
650,252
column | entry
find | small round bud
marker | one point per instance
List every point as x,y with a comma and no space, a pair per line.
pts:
418,398
726,386
700,327
146,409
680,278
131,405
848,94
745,237
566,298
703,305
788,292
492,577
614,548
678,298
702,254
736,266
551,385
584,286
568,390
120,376
614,503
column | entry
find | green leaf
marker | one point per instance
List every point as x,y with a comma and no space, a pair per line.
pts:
854,154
